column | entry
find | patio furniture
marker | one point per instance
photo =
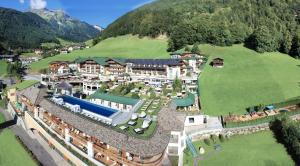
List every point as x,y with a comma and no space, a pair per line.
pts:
123,127
132,123
134,116
146,123
139,131
142,115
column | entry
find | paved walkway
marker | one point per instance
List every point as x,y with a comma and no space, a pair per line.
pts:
46,157
58,159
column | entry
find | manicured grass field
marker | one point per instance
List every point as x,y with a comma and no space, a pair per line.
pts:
247,79
12,153
124,47
259,149
23,85
3,67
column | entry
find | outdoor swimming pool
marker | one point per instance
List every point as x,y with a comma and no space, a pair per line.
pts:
97,109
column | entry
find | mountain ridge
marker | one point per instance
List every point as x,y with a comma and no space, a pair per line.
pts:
66,26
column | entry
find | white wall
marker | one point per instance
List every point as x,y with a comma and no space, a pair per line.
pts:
198,120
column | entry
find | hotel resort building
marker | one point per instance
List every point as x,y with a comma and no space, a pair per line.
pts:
99,141
97,128
89,72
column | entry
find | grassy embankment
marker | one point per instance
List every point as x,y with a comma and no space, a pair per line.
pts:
247,79
12,153
123,47
259,149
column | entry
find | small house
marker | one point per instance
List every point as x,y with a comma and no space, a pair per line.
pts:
217,63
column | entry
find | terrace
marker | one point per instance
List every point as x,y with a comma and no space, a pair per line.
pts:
80,139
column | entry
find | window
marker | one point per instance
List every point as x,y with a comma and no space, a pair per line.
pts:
191,120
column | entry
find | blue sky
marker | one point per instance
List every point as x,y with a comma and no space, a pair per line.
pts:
96,12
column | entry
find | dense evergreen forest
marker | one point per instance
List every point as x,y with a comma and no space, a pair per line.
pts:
263,25
26,30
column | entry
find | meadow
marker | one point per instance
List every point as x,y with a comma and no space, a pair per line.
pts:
12,152
259,149
3,67
123,47
247,79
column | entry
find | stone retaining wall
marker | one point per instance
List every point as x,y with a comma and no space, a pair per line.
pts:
238,130
245,130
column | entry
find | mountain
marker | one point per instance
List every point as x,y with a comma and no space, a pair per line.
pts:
25,30
263,25
67,27
99,28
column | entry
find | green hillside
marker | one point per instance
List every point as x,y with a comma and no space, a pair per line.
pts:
124,47
247,79
25,30
264,25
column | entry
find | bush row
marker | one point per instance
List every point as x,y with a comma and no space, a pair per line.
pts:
287,132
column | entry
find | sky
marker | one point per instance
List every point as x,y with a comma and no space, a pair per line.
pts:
95,12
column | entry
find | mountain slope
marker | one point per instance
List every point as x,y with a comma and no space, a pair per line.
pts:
67,27
26,30
219,22
121,47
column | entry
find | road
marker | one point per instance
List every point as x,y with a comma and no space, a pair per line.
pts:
32,77
39,147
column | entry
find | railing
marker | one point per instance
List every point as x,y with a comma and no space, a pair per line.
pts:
191,147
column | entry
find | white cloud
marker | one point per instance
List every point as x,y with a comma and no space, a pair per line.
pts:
142,4
22,1
38,4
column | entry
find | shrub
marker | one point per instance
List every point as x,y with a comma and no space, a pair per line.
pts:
213,138
207,141
221,138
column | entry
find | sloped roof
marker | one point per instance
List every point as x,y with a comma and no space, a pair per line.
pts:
99,60
155,61
114,98
61,62
186,101
121,61
168,120
64,85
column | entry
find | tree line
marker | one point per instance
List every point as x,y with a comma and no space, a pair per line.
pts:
287,132
271,25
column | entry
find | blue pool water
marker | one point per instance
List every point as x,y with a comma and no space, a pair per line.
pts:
100,110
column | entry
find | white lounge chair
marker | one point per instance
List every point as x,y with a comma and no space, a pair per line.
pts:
142,115
139,131
134,116
146,124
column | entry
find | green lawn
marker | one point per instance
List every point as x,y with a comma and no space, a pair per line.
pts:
3,67
259,149
24,84
124,47
12,153
247,79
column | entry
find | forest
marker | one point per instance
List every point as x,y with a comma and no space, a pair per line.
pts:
26,30
264,26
